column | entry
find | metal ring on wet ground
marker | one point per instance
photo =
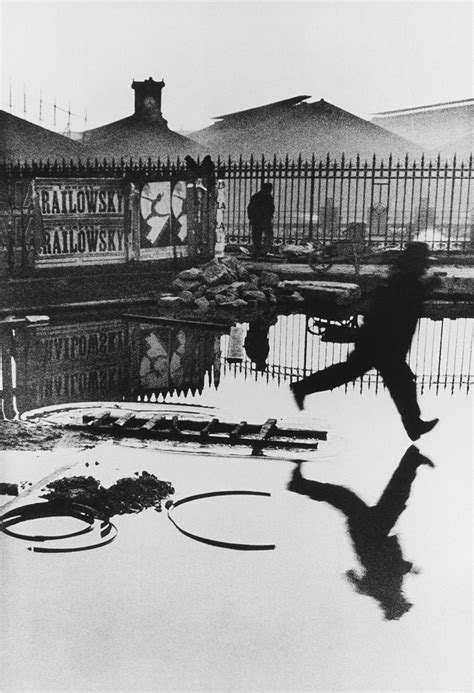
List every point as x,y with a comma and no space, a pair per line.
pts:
108,532
217,542
34,511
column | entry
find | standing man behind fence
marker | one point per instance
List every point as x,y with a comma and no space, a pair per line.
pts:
260,213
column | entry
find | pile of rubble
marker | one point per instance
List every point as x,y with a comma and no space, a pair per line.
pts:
225,284
128,495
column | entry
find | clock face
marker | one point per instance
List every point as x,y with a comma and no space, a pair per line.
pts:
149,102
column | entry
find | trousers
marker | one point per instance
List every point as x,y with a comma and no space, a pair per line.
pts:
395,372
262,237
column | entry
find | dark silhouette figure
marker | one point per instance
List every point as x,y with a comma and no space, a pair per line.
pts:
208,172
192,169
203,175
384,340
256,342
379,553
260,213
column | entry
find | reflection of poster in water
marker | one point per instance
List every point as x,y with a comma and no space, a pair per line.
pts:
174,359
79,362
155,210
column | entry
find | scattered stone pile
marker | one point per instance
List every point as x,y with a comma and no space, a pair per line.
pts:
227,284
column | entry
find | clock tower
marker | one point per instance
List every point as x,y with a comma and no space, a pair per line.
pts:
148,100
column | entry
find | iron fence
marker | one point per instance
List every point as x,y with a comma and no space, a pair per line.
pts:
441,355
315,200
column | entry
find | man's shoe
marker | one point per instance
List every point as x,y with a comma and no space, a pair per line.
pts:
298,397
420,428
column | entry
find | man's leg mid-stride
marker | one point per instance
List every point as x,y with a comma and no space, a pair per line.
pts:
356,365
400,382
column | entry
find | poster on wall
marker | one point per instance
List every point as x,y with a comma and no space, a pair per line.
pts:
163,220
82,221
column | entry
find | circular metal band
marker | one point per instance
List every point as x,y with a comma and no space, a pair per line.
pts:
108,533
35,511
216,542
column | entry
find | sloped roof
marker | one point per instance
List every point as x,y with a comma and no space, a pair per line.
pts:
462,104
133,137
293,127
436,127
21,140
261,111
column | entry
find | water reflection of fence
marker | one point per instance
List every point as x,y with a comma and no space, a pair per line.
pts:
115,360
441,355
397,200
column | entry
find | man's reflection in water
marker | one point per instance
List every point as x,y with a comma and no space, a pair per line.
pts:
256,342
379,554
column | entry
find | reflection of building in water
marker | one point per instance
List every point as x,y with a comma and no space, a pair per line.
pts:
176,360
440,355
108,360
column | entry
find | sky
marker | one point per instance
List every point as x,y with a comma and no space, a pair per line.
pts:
220,57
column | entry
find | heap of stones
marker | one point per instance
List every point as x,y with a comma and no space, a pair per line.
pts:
225,284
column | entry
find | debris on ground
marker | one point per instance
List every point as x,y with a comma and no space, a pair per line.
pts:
128,495
226,284
20,435
26,435
8,489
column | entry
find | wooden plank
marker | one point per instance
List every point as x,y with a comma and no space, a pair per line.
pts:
266,430
125,419
228,427
220,438
175,425
209,428
302,433
159,320
236,432
152,422
100,420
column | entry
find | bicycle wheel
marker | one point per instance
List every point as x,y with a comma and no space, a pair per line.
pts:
320,260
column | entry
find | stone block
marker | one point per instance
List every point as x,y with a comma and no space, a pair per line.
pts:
181,285
202,304
187,298
192,274
252,295
242,273
216,273
269,279
239,303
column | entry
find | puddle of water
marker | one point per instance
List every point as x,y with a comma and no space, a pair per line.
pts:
156,610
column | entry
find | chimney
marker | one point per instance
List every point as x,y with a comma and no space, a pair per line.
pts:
148,100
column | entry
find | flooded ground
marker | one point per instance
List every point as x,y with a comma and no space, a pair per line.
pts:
158,610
